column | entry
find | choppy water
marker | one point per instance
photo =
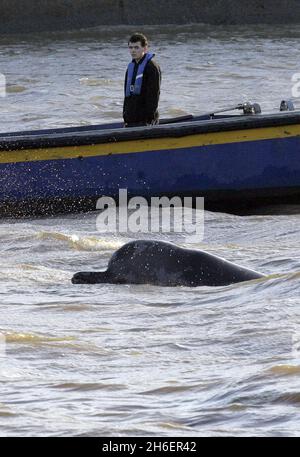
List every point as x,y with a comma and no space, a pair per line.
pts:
77,77
143,360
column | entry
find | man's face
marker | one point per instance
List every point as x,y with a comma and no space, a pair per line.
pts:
136,50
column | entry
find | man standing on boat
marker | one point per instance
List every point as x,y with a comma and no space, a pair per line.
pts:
142,85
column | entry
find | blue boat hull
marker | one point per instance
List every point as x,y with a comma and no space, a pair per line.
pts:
237,173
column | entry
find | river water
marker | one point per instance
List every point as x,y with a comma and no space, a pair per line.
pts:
144,360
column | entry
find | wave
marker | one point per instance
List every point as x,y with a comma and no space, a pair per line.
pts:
34,339
285,370
15,89
75,386
82,243
96,82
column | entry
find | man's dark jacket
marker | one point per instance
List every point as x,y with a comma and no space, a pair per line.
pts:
142,109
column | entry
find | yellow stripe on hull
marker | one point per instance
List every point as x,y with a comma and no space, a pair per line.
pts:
155,144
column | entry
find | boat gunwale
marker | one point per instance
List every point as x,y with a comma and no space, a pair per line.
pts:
91,136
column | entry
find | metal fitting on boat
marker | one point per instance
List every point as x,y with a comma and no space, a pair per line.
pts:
287,105
251,108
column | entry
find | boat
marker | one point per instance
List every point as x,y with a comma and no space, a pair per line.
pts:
235,161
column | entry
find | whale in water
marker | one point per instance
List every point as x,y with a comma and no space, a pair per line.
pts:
166,264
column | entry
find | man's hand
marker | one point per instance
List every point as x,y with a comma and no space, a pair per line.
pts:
153,122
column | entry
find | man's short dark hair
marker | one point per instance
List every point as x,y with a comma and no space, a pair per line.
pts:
138,37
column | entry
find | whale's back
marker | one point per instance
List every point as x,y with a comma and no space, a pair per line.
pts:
163,263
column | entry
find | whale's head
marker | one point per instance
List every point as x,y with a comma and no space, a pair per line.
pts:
90,277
